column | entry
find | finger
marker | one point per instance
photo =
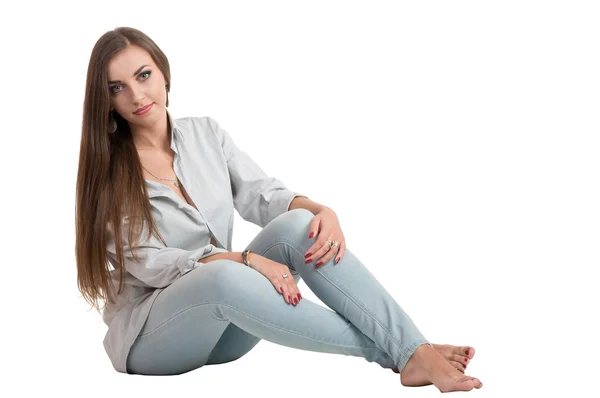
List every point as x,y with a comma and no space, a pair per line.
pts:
289,296
318,249
341,251
313,229
296,296
288,287
329,252
328,256
294,292
318,234
283,287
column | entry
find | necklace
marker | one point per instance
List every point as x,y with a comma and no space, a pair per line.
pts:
162,179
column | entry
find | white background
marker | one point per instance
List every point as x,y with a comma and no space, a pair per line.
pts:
457,142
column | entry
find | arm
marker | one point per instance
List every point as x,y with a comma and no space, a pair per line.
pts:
234,256
305,203
157,266
256,196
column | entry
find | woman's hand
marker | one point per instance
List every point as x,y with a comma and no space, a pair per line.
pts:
274,272
326,226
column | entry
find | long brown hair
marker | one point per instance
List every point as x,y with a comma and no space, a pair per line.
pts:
110,182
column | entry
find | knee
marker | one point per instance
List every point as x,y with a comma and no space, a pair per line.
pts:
227,282
226,270
220,276
296,220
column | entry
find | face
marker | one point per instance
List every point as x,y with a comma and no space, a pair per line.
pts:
134,82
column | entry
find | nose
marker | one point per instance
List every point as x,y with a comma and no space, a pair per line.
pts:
138,96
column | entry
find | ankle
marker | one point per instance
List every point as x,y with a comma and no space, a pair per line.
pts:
424,356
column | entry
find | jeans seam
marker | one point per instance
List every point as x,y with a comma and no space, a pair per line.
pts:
359,303
195,306
277,242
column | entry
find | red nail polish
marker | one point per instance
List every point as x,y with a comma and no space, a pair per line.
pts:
311,235
319,264
299,296
281,289
290,299
307,261
308,255
295,300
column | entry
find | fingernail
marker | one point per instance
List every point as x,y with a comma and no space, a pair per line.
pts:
319,264
308,255
299,296
281,290
311,235
290,299
295,300
307,261
336,260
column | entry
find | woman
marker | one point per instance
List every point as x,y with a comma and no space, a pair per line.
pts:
155,199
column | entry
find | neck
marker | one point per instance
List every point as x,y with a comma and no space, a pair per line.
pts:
156,137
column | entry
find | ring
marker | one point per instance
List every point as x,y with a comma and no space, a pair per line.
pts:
285,275
332,243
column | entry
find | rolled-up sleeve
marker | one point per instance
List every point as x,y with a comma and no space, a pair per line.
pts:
157,266
258,197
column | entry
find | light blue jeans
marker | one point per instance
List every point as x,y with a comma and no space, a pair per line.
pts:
217,313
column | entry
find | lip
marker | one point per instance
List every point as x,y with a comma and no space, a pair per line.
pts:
144,109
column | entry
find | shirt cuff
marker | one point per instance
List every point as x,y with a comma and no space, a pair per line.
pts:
280,202
190,261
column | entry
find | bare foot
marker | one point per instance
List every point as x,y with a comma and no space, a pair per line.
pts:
428,366
458,356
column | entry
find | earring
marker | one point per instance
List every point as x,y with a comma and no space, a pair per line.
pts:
113,121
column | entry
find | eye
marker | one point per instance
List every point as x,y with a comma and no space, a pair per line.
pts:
118,85
112,89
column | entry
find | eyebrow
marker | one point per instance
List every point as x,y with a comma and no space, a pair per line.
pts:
134,73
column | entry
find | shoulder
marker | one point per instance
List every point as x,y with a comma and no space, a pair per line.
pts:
197,128
196,124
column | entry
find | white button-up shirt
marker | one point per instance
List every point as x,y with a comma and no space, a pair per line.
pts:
218,177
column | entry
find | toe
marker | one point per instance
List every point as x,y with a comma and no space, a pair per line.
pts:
468,351
459,358
477,383
458,365
465,383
